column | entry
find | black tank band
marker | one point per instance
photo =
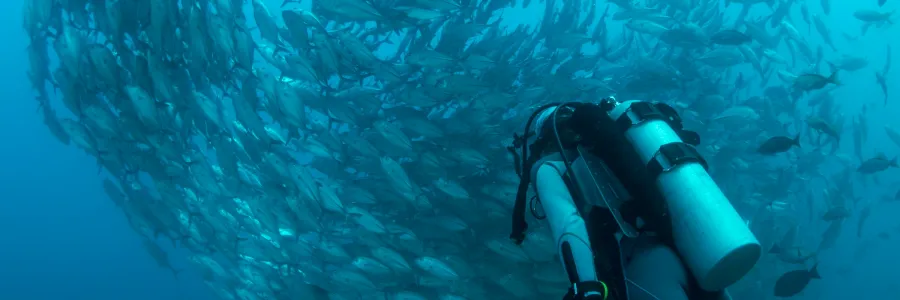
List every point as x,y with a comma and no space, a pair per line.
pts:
672,155
639,112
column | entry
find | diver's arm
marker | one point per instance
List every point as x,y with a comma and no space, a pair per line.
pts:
569,231
565,222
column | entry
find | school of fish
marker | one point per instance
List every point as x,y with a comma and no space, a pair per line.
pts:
359,149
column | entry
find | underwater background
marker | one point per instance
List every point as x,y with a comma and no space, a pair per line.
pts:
62,239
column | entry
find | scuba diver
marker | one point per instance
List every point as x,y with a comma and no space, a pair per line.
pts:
629,202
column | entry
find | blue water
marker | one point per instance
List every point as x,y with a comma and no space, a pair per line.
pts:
60,236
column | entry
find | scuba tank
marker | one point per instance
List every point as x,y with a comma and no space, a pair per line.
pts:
710,236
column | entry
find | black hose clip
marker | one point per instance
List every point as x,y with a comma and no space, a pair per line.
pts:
588,290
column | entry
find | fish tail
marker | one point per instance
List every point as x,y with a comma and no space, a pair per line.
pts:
814,272
797,140
775,249
833,78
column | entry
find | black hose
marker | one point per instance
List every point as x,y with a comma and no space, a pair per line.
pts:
562,150
519,226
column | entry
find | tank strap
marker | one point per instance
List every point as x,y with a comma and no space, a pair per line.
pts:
639,112
672,155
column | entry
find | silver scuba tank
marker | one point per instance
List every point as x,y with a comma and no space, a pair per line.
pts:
709,234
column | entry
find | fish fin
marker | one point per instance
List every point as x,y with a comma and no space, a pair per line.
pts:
285,3
833,78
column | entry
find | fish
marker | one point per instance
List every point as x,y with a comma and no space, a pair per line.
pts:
871,16
730,37
160,256
792,255
850,63
810,82
793,282
778,144
882,83
877,164
836,214
881,76
830,236
863,216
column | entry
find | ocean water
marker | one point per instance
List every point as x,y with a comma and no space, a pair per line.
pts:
61,239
